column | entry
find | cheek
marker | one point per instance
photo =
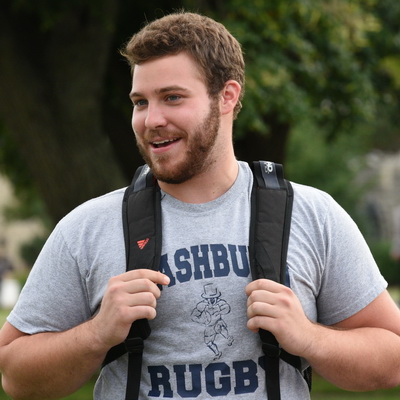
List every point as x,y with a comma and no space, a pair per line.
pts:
137,124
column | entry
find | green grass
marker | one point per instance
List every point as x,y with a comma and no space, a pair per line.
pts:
324,390
84,393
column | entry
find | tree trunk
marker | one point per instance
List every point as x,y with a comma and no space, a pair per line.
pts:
51,103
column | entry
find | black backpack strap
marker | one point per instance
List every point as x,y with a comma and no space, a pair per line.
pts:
141,218
271,209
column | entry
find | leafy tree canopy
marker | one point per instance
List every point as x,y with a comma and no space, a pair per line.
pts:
305,59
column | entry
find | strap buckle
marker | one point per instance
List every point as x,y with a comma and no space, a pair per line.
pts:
134,345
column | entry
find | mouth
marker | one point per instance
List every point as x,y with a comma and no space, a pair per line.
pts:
163,143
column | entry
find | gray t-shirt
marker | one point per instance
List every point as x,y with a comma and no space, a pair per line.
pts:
200,346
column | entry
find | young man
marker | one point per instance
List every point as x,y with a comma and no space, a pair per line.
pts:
188,76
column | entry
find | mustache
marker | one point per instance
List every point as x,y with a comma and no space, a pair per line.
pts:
164,134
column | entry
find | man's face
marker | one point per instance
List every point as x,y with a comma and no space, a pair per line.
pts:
175,122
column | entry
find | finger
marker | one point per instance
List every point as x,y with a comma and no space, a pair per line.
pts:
143,312
262,316
263,284
142,299
118,288
262,296
154,276
262,309
142,286
257,323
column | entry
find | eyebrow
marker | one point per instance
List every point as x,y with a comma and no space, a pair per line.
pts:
166,89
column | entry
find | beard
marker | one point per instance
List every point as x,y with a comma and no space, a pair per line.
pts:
198,155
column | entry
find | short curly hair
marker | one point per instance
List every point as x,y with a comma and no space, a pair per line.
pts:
217,53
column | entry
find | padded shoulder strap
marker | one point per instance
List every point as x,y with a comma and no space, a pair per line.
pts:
141,218
271,209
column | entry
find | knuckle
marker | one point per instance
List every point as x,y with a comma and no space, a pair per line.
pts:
114,288
255,308
114,282
259,284
140,273
149,298
148,312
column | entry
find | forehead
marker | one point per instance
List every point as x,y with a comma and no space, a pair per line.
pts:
171,70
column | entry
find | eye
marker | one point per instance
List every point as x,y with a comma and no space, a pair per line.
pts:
139,103
173,98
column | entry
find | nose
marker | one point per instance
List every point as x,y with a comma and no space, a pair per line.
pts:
155,117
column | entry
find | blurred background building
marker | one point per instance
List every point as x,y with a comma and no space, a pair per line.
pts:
13,234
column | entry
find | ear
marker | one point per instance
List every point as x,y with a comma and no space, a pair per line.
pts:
230,96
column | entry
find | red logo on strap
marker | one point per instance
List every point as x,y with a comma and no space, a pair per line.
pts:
142,243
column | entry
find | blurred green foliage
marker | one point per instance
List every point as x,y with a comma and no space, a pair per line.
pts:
390,268
306,59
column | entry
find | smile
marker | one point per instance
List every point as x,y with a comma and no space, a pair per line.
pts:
163,143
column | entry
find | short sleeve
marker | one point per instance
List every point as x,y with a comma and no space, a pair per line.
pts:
350,277
54,296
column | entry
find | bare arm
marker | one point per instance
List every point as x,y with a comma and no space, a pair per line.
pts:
54,364
47,365
361,353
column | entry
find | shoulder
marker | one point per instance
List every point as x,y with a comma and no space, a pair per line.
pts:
93,210
317,214
310,196
317,206
311,205
100,203
90,221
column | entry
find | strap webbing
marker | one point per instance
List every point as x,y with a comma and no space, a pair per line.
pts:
272,354
134,347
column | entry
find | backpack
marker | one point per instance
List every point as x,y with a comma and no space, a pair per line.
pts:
271,207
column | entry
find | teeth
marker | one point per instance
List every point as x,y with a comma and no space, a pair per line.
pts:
163,141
